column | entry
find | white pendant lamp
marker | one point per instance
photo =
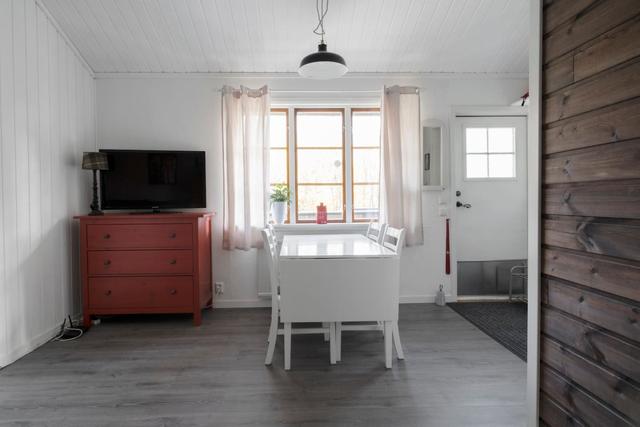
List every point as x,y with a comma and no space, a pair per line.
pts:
322,65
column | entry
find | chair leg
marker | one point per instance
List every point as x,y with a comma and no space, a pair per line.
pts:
273,337
388,333
287,346
338,341
332,343
396,341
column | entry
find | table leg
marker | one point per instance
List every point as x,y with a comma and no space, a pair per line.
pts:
388,336
332,342
287,346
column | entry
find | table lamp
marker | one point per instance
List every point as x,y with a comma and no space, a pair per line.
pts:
95,161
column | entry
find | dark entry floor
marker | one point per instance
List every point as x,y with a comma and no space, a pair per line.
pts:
505,322
164,372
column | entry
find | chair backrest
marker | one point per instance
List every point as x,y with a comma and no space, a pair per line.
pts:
375,231
394,239
271,247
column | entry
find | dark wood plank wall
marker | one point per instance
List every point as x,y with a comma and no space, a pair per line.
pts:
590,317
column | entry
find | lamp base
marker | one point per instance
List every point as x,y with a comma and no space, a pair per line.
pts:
96,213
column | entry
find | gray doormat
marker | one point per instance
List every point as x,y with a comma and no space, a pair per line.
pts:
505,322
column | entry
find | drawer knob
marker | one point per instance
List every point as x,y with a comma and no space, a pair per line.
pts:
172,235
173,292
107,236
107,262
107,293
173,261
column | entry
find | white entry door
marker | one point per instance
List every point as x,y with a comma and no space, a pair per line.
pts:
490,188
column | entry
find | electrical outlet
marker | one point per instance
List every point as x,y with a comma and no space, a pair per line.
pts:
219,288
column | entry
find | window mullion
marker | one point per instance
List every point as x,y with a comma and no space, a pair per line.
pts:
291,151
348,166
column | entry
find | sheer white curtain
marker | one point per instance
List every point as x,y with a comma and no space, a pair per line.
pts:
245,146
400,163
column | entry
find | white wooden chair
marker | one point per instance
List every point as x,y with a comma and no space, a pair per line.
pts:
271,245
375,231
393,239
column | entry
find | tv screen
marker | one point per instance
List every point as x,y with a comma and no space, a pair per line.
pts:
139,179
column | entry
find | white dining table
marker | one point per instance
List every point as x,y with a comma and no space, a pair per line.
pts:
338,278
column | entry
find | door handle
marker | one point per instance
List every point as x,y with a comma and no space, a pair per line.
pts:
459,204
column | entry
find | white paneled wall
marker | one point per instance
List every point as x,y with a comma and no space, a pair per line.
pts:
47,119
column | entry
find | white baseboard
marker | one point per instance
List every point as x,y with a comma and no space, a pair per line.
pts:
264,300
29,346
242,303
471,298
423,299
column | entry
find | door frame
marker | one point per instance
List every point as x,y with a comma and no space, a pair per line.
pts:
472,111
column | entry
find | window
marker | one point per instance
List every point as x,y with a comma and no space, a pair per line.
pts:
490,153
365,160
319,163
279,148
329,156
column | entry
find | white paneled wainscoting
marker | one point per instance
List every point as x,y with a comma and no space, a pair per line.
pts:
47,119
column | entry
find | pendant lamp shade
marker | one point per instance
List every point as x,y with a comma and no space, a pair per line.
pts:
322,65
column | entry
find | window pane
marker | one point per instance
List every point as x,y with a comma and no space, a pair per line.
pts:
501,140
476,140
310,196
319,166
502,166
477,166
278,129
366,128
365,201
278,166
366,165
319,129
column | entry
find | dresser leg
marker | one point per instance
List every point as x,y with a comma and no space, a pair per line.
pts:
197,318
86,321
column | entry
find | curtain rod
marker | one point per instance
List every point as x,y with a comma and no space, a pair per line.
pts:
325,91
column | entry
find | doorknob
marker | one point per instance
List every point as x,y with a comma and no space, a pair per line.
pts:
459,204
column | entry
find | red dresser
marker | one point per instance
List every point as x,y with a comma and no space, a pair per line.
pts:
151,263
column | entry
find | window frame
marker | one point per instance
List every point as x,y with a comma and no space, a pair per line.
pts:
488,154
286,150
344,166
352,148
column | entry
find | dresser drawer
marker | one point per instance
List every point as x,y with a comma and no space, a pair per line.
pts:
140,292
109,263
139,236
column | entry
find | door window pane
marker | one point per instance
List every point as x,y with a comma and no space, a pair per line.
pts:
501,140
490,153
310,196
501,165
477,166
476,140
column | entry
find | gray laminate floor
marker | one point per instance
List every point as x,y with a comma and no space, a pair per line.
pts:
164,372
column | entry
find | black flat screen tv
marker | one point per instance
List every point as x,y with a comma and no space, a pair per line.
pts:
141,179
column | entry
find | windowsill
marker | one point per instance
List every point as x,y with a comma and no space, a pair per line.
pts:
338,226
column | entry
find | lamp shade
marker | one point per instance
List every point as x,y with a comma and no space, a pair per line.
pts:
322,65
95,161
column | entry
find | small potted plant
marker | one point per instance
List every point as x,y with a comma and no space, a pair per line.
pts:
280,199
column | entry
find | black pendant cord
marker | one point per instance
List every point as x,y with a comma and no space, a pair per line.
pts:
321,9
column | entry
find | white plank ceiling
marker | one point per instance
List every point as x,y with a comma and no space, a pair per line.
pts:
462,36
